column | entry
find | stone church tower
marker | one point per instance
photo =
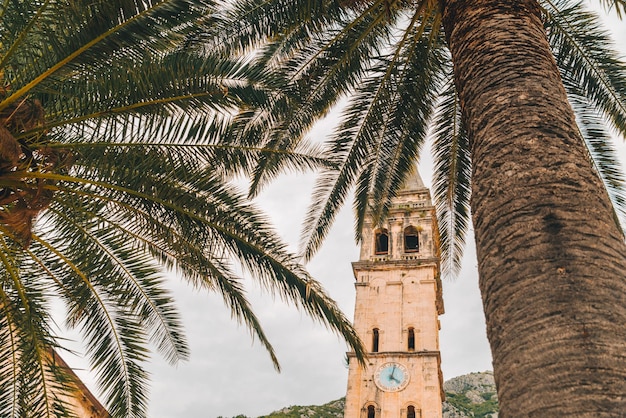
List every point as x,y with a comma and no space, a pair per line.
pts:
398,301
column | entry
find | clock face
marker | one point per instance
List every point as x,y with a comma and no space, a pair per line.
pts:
391,377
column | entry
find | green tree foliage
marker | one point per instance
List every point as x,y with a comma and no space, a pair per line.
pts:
473,409
550,248
112,172
333,409
387,65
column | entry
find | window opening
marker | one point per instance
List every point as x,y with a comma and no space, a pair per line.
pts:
411,240
382,242
371,412
411,339
375,340
410,412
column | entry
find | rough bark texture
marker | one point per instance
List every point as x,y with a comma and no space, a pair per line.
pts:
551,259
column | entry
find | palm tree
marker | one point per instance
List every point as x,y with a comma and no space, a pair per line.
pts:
502,86
112,173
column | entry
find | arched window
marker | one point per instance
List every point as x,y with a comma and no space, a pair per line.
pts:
411,339
375,340
410,412
411,240
382,242
371,411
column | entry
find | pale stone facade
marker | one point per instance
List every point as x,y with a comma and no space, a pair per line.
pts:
398,301
82,402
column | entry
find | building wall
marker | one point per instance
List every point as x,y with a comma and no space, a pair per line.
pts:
394,292
82,402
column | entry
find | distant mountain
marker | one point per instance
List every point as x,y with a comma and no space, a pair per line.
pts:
471,395
333,409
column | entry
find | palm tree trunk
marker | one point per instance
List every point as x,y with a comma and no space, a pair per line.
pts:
551,257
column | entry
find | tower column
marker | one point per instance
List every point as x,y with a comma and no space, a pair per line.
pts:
398,301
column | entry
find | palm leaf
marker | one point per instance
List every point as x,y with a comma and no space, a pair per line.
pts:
586,58
382,132
595,79
303,46
618,5
451,183
118,171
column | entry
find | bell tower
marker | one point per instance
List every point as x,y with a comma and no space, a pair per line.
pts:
398,302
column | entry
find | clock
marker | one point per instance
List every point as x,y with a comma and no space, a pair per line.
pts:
391,377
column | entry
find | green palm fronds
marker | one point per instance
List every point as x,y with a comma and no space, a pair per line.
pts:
114,165
389,62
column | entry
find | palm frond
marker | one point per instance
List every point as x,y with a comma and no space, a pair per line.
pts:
417,79
246,25
26,370
234,231
586,58
381,135
451,182
86,33
595,79
113,333
603,154
328,65
117,146
618,5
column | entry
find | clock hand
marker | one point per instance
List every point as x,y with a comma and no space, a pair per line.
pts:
392,377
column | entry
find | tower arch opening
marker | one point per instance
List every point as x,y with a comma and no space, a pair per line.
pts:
381,242
375,340
411,239
371,411
411,339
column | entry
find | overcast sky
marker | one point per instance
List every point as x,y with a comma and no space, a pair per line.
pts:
229,374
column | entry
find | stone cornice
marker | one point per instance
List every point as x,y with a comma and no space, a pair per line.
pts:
424,353
393,264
